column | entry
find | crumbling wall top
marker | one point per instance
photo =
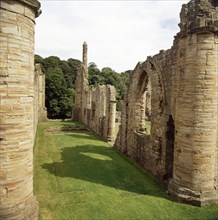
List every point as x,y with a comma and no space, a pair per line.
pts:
38,69
199,15
35,4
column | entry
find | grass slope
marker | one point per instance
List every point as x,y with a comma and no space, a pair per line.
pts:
78,176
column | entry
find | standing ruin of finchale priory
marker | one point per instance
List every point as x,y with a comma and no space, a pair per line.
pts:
176,90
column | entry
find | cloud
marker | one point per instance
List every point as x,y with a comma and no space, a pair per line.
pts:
118,33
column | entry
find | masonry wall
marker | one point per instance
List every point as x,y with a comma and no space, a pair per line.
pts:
94,107
17,21
147,148
182,146
40,111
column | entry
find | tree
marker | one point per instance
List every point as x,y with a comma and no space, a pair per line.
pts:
59,85
108,76
94,74
60,76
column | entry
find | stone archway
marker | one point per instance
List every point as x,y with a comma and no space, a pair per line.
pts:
182,147
146,148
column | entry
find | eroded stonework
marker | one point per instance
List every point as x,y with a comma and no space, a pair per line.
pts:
40,111
17,21
94,107
182,148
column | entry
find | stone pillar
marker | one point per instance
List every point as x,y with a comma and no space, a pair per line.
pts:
110,115
196,115
40,95
17,21
85,55
196,112
77,110
81,89
111,123
196,120
101,106
36,101
121,139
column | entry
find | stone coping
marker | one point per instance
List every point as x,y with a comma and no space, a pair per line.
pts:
35,4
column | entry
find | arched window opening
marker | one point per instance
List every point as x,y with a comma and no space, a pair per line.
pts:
144,103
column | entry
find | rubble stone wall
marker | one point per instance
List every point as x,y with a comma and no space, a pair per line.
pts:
17,21
182,147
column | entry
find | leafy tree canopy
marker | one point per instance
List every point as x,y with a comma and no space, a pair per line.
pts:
108,76
60,76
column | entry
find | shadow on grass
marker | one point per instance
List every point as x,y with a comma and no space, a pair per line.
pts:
103,165
87,135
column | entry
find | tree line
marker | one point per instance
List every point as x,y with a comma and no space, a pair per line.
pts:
60,76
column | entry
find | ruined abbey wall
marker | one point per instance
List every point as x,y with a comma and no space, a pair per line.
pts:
17,108
40,111
182,146
94,107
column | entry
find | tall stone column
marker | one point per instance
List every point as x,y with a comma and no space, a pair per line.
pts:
85,54
40,95
81,88
196,113
17,21
77,110
111,123
110,116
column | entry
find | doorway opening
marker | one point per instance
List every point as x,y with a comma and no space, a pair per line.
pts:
170,141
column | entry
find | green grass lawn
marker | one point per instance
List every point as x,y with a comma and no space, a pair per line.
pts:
78,176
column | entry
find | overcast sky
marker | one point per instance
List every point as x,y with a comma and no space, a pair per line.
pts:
118,33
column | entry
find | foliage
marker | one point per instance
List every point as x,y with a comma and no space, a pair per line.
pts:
108,76
78,176
60,78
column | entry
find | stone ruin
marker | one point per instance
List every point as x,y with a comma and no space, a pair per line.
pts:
40,111
94,107
22,96
177,91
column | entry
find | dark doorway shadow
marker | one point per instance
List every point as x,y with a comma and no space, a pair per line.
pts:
170,139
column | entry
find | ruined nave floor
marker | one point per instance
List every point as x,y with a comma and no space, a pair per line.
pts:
79,176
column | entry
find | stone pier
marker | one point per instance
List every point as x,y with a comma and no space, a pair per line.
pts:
196,105
17,21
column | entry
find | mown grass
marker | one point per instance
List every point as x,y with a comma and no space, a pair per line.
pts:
78,176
